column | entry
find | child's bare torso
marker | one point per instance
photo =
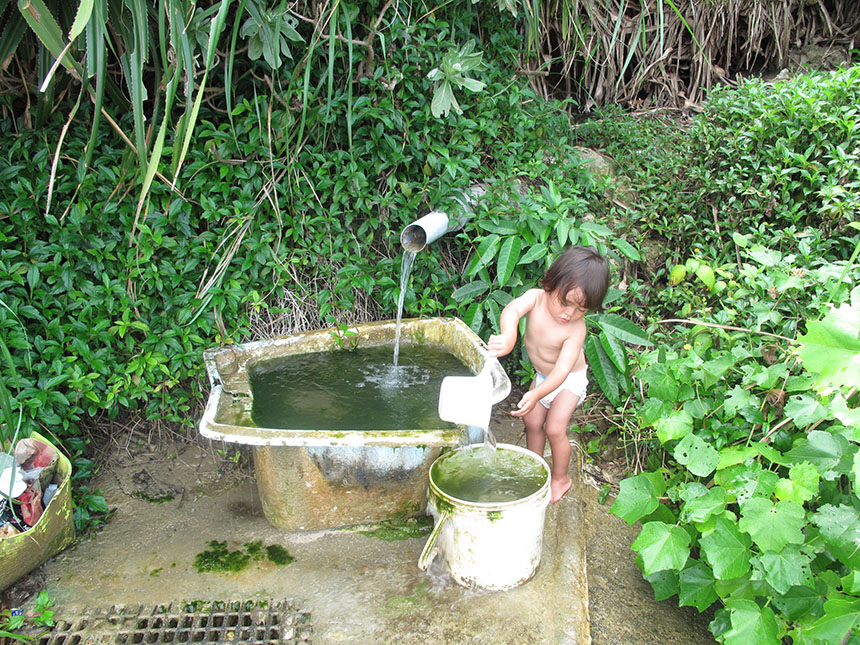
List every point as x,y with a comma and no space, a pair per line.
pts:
545,335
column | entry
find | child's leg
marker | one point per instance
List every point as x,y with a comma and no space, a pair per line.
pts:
535,436
557,424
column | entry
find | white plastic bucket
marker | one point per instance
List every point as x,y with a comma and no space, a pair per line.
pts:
490,545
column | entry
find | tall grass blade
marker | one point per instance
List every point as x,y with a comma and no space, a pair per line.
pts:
45,26
82,17
228,76
12,33
96,65
215,30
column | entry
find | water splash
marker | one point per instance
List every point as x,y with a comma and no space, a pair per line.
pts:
405,271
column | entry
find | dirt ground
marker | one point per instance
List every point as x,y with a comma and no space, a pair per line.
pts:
169,496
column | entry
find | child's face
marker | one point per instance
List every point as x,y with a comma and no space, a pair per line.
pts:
567,307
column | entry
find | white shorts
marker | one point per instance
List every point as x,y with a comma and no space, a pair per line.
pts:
576,383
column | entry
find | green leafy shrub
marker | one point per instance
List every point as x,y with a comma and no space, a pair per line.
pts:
750,499
784,153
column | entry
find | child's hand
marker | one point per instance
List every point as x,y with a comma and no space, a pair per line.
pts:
500,345
526,404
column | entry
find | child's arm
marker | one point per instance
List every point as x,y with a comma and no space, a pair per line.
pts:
504,342
567,357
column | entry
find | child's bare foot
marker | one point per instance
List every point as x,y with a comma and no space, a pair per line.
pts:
558,487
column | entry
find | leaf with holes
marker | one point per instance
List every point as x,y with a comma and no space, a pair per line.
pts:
675,426
696,587
700,457
788,568
805,410
770,525
840,530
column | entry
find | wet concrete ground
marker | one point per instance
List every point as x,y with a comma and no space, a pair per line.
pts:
350,587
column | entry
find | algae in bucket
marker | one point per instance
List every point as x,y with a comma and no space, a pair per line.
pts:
489,508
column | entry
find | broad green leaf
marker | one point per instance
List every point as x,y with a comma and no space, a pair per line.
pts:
662,546
603,370
509,255
85,9
822,449
726,549
628,250
470,291
751,624
598,230
621,328
851,583
699,457
651,411
677,425
677,275
706,275
696,587
772,526
850,416
733,455
661,383
788,568
745,481
614,350
764,256
637,498
700,509
801,485
474,316
805,410
562,231
535,252
840,530
841,615
714,370
664,583
831,347
800,601
485,252
739,398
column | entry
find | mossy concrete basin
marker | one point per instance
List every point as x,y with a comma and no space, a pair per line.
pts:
316,479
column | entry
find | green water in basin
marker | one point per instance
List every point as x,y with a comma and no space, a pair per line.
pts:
353,390
484,475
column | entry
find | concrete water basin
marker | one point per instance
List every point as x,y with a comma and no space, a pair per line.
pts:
316,479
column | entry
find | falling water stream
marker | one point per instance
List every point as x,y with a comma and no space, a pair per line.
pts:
405,271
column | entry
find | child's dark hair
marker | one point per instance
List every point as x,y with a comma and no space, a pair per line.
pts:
579,267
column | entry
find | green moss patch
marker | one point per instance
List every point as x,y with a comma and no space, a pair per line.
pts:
218,558
401,529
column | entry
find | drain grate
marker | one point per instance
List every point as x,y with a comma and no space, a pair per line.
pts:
250,622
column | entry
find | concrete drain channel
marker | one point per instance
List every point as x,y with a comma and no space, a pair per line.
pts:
251,622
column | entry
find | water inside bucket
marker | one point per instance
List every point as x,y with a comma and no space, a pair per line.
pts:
488,476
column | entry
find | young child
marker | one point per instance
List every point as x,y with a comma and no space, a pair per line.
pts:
554,337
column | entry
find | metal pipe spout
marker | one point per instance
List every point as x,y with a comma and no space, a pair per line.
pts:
435,224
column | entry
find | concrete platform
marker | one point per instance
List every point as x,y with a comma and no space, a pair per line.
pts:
343,586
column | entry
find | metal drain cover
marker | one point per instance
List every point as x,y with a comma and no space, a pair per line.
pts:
250,622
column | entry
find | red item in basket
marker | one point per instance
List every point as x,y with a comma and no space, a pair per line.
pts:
31,506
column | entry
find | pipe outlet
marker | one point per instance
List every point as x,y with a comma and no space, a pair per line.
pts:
424,231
